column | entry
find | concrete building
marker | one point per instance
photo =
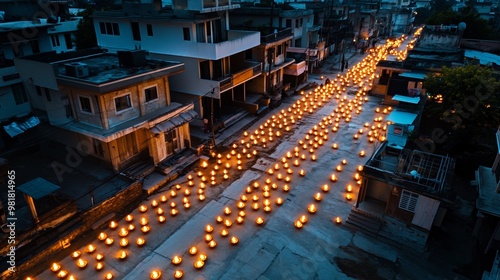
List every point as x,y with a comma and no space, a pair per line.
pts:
403,194
45,34
196,33
487,226
115,107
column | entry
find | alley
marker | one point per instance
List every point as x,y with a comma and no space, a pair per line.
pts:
280,218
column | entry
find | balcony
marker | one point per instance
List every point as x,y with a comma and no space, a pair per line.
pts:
207,6
295,69
65,26
238,41
9,74
273,37
253,70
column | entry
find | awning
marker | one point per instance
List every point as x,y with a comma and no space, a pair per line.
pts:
174,122
414,75
407,99
38,188
400,117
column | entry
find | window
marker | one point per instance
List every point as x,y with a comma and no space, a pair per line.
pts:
278,50
19,92
149,29
151,93
55,40
85,105
136,33
205,70
123,103
69,41
38,90
186,33
408,201
297,23
47,94
35,48
109,28
288,23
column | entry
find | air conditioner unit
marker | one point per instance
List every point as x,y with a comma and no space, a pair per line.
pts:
77,69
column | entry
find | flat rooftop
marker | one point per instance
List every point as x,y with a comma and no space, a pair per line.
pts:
105,72
411,169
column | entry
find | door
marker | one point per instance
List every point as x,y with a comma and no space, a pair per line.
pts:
172,141
425,211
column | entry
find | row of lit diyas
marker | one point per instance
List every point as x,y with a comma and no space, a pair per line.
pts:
253,200
312,208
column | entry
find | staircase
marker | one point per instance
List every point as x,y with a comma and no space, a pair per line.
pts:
139,169
366,222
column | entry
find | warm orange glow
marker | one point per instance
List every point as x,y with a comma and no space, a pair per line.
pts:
199,264
145,229
209,228
123,242
234,240
325,188
178,274
333,178
143,221
303,219
176,260
348,196
99,266
193,250
228,223
109,241
240,219
113,225
99,257
131,227
219,219
298,224
62,274
312,208
224,232
338,220
143,208
227,211
154,203
55,267
339,168
102,236
212,244
129,218
121,255
155,274
159,211
81,263
76,254
349,188
318,197
174,212
123,232
259,221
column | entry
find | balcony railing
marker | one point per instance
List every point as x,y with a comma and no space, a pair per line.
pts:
275,36
240,76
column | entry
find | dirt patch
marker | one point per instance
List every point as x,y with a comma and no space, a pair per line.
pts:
360,264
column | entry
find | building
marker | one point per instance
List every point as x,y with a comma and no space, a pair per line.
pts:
306,44
433,49
196,33
115,107
51,34
403,194
487,226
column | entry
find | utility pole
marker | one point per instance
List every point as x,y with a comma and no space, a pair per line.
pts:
212,117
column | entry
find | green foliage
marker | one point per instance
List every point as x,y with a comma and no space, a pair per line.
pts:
470,96
85,35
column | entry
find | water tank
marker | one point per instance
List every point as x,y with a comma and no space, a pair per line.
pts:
77,69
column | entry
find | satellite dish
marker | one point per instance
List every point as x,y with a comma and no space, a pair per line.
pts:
462,26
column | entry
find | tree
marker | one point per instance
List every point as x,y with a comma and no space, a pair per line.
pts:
470,96
85,35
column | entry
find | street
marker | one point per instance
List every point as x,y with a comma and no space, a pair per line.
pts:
271,206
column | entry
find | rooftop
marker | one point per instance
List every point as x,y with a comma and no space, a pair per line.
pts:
414,170
99,71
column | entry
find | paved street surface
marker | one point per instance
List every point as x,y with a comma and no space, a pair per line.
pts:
281,184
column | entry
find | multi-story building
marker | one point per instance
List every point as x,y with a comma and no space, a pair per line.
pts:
305,45
115,107
196,33
26,37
